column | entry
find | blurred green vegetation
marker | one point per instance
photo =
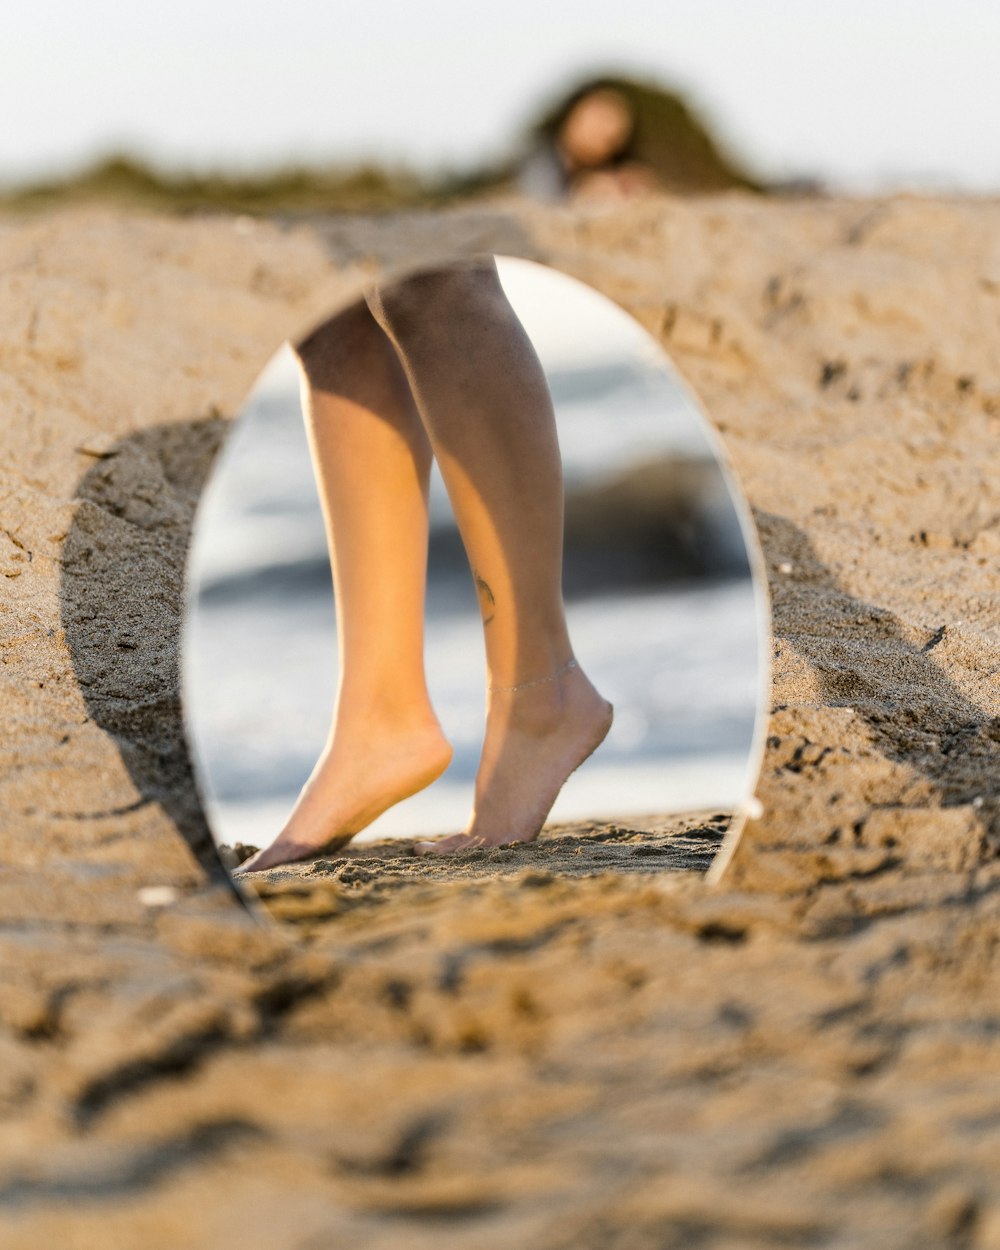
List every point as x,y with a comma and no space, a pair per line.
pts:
129,181
669,139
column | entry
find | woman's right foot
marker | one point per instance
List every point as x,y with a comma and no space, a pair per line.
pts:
357,778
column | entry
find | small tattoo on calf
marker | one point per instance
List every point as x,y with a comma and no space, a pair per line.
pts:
486,600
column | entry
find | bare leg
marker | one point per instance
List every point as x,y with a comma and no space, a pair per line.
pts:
484,400
372,462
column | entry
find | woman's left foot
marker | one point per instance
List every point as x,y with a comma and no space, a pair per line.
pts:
535,737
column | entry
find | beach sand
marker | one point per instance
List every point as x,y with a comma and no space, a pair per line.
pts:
514,1052
359,878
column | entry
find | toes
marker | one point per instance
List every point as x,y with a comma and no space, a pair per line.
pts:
439,847
270,857
256,863
447,846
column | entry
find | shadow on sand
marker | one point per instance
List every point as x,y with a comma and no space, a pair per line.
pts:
863,659
122,606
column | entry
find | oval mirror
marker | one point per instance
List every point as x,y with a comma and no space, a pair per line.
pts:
462,369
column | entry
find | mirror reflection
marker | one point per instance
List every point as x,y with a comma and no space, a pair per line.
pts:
528,524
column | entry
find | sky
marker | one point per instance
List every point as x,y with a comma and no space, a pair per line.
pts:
865,94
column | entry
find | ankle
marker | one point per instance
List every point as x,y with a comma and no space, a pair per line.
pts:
537,708
392,718
531,682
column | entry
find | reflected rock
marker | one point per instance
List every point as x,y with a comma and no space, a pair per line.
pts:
664,520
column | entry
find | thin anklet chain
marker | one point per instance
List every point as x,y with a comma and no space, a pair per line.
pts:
539,681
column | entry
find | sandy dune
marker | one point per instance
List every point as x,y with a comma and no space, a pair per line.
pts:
565,1045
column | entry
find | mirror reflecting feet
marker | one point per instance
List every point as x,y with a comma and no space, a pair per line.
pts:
501,469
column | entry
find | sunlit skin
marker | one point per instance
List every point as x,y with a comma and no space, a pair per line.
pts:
595,133
439,365
597,128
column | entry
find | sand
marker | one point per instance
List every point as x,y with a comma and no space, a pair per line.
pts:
516,1051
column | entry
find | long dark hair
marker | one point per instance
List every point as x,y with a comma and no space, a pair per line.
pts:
666,138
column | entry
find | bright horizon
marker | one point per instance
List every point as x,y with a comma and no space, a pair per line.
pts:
886,93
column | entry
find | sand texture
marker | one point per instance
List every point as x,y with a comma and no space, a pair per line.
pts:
578,1043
